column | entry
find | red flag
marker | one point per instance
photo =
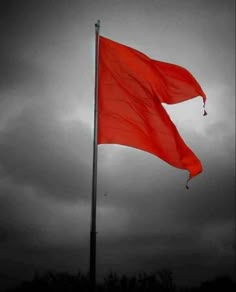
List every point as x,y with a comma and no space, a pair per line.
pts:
131,88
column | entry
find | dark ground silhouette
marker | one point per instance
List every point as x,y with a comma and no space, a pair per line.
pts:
161,281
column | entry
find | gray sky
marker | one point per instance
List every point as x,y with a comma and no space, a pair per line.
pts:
147,220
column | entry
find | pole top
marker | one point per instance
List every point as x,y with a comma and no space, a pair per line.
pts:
97,25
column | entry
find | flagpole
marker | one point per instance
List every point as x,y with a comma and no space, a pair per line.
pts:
92,271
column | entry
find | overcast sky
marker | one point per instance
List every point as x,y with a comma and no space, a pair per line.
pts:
147,220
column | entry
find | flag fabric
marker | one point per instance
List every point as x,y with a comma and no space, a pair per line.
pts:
131,90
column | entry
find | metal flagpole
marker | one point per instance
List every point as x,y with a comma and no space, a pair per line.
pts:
92,272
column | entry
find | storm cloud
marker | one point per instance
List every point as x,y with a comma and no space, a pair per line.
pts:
146,219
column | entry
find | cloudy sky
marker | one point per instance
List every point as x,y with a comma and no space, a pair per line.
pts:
147,220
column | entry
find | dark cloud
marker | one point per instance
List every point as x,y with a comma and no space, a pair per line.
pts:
17,73
20,224
146,220
39,234
135,179
38,150
177,251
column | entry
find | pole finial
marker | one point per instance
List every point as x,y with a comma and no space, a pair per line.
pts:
97,25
